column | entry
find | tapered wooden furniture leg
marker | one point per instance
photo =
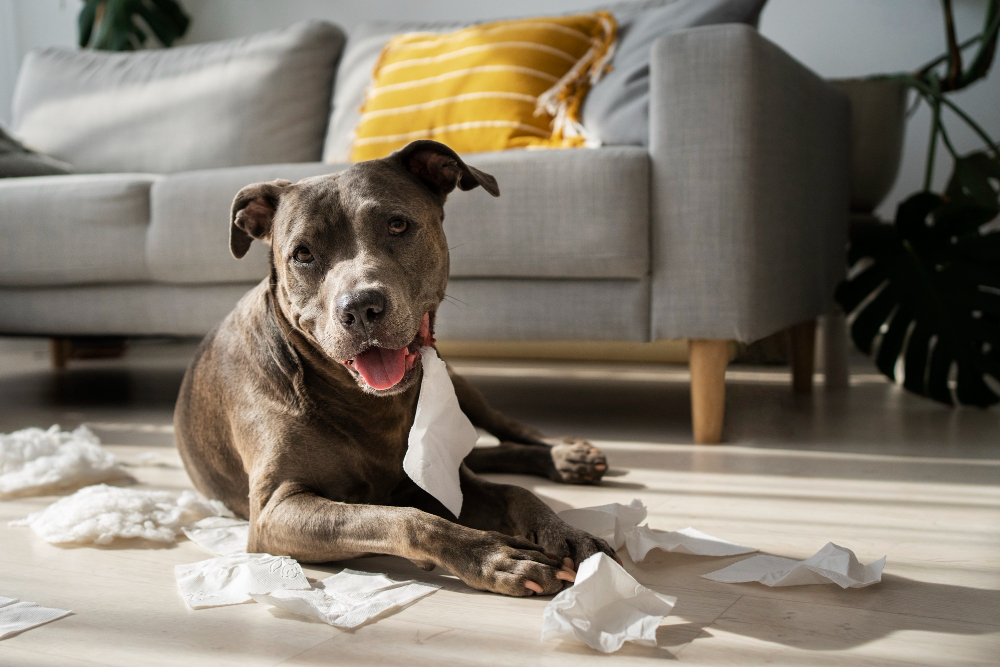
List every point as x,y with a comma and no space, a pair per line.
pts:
708,361
802,338
59,349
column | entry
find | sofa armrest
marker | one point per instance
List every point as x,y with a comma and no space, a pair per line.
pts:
750,152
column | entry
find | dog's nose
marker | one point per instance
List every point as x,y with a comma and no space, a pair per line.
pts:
360,308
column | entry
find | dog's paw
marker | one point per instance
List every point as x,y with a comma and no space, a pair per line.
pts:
577,461
571,546
509,565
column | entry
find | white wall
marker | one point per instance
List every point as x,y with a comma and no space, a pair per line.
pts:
837,38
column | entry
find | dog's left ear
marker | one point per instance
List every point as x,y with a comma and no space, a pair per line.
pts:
440,169
252,215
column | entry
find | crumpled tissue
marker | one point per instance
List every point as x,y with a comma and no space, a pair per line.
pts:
349,598
99,514
831,564
235,579
17,615
644,539
605,608
33,459
610,522
220,535
441,436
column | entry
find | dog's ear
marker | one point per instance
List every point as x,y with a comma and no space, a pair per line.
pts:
253,215
440,169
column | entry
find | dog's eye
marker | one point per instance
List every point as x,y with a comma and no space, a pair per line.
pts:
397,226
302,255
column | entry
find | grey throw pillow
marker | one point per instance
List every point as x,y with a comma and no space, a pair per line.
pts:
16,160
617,108
255,100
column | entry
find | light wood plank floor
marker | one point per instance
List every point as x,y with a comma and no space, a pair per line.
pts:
871,469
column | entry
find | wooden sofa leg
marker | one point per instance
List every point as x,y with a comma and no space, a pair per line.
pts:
708,361
802,338
59,351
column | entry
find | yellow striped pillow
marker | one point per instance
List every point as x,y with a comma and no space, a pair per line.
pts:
510,84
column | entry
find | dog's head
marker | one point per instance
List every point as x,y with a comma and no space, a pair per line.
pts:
360,256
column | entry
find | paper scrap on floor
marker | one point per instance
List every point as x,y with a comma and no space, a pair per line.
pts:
605,608
610,522
349,598
100,514
831,564
18,615
644,539
235,579
220,535
441,436
33,460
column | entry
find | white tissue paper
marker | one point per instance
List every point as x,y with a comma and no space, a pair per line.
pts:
34,459
99,514
644,539
17,615
831,564
605,608
235,579
609,522
220,535
441,436
349,598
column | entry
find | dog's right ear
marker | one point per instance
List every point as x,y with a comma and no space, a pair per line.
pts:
252,215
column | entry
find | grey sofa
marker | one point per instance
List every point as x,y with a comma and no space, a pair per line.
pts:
730,225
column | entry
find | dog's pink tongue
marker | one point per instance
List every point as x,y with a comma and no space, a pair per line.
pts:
381,368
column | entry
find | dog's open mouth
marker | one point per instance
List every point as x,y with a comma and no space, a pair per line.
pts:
383,368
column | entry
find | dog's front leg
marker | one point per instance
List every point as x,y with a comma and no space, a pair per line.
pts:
295,522
516,511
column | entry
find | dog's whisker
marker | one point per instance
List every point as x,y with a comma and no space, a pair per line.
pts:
448,296
458,246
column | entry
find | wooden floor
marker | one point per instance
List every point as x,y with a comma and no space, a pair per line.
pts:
871,469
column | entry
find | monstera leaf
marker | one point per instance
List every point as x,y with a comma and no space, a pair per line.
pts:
124,25
923,295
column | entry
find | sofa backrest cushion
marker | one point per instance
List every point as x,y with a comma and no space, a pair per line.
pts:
254,100
616,108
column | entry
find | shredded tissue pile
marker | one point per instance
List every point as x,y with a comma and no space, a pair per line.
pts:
605,608
33,460
99,514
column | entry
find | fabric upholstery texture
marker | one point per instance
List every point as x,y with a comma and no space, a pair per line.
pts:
493,309
557,217
749,186
134,309
188,240
616,109
488,87
255,100
68,230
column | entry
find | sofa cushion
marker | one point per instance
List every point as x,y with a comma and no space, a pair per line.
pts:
616,108
71,230
16,160
488,87
561,214
255,100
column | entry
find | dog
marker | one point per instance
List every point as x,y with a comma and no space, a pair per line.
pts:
296,409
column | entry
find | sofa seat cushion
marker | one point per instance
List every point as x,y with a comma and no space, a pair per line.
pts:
575,213
72,230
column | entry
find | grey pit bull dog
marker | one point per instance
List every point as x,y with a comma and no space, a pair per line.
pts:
296,409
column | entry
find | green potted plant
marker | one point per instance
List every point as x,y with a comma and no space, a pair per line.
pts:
923,294
126,25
